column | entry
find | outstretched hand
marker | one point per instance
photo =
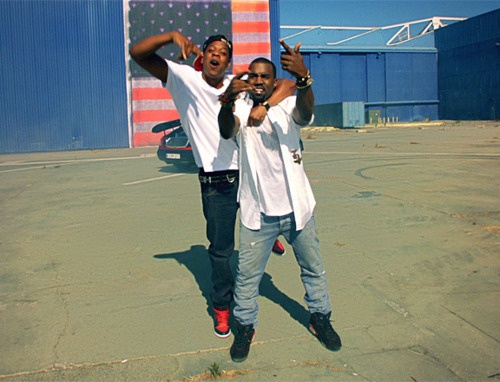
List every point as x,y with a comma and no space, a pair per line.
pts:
236,86
187,47
292,60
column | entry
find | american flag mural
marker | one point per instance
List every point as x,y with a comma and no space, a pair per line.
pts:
245,22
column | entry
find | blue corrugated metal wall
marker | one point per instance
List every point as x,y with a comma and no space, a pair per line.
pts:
274,20
63,82
403,86
469,68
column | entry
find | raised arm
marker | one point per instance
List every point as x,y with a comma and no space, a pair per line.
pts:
144,52
284,88
229,124
292,62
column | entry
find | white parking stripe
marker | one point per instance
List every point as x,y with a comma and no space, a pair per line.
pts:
151,179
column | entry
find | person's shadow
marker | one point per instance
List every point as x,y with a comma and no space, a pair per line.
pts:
293,308
197,262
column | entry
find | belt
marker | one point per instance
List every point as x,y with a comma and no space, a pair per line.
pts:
217,177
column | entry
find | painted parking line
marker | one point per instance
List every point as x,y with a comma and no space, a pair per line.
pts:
151,179
35,165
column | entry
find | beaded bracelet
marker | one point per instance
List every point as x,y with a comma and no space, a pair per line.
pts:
224,101
304,82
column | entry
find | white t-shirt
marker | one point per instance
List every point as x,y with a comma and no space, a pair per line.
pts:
258,170
274,198
198,105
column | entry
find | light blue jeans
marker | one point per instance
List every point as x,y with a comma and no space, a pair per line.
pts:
255,249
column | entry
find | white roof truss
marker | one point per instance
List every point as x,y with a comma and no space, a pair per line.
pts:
404,33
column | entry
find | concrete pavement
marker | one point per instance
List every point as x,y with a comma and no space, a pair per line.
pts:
105,277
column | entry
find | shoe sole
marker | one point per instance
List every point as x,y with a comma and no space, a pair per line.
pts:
279,254
315,334
238,360
225,335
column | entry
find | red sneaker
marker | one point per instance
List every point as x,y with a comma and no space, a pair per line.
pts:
221,323
279,248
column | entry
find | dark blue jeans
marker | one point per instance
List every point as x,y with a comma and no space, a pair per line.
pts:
219,208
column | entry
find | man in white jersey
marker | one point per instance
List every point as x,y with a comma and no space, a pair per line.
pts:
274,194
196,97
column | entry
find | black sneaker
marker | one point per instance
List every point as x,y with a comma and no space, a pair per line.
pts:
320,326
242,340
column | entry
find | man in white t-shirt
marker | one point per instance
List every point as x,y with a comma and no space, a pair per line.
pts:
274,194
196,96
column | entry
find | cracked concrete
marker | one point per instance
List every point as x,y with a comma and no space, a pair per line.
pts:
104,268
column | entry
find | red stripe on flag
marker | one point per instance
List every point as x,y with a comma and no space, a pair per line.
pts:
240,68
249,6
251,27
155,115
252,48
143,94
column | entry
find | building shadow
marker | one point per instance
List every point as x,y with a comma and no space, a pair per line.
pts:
196,261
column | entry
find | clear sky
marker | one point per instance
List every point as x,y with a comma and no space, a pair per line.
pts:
376,12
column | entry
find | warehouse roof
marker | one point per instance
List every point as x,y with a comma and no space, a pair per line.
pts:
409,36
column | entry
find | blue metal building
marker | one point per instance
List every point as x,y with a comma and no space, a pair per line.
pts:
469,68
369,74
64,82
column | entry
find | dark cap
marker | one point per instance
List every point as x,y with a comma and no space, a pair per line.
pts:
219,37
